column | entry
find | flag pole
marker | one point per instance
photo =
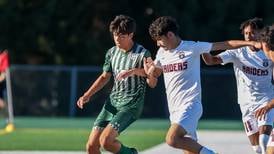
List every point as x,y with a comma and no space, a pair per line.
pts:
5,66
9,95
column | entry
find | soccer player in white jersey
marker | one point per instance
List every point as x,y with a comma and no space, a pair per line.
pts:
125,103
179,61
267,38
253,71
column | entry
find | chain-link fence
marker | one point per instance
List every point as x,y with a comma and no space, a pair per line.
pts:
54,90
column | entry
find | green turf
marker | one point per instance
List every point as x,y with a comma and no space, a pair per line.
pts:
71,134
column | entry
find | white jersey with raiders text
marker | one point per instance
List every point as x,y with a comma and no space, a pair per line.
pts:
181,70
253,72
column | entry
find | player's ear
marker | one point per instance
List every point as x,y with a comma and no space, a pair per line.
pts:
131,35
170,34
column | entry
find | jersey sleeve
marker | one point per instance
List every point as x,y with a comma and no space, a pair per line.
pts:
202,47
147,54
107,64
228,56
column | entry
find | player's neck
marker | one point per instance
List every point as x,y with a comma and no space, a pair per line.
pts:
177,41
127,47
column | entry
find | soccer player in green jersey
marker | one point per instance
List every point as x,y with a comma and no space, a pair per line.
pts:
125,103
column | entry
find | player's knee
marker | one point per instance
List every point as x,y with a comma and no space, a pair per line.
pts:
92,146
171,140
106,142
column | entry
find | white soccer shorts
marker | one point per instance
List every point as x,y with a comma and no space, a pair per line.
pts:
188,117
251,124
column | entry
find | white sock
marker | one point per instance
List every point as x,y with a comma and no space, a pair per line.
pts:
205,150
257,149
263,139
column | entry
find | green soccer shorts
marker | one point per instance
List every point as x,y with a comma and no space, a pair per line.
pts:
118,119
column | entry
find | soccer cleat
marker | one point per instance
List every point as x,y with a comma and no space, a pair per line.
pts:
9,128
134,151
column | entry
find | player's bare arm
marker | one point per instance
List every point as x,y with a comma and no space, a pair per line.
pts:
233,44
260,113
135,71
270,54
151,69
131,72
100,82
210,59
151,79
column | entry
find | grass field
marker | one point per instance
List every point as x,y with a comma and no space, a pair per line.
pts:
71,134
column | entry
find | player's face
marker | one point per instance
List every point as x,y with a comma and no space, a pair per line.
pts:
269,53
165,41
122,40
250,34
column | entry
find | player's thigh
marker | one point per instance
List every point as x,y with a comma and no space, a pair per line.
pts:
94,137
187,118
109,133
104,117
265,124
250,122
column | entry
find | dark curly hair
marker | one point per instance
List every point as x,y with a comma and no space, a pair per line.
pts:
254,23
122,24
267,36
162,25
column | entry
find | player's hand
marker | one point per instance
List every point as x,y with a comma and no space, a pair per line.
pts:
149,66
261,112
124,74
82,100
257,45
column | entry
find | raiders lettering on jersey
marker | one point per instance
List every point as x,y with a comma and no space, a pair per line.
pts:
254,71
174,67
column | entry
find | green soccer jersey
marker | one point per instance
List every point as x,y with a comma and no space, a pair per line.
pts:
129,92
